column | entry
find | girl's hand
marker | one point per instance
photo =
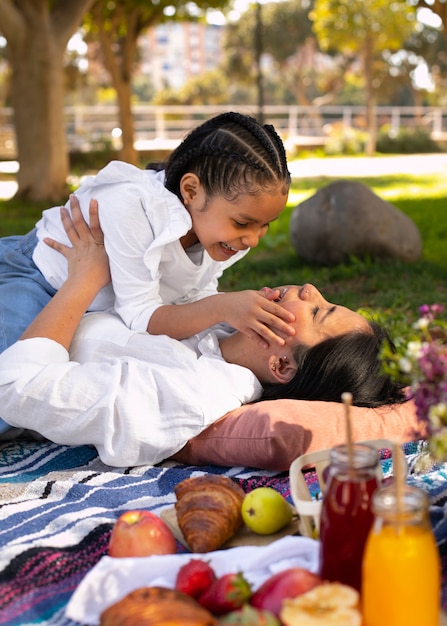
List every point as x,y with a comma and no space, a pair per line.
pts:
87,258
255,314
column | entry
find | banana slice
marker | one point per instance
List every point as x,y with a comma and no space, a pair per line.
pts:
328,604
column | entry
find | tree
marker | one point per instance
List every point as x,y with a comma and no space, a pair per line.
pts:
118,25
37,33
366,29
287,39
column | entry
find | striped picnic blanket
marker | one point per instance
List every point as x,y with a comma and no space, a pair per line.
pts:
58,505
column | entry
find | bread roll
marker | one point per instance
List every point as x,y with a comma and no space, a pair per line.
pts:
156,606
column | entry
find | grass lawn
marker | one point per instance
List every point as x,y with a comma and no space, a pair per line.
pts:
390,289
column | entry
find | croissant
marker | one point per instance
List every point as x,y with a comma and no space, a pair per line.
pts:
208,511
157,606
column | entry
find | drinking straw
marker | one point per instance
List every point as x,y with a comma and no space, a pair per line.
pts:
399,481
347,400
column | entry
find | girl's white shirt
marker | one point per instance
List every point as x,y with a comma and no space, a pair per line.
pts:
142,223
136,397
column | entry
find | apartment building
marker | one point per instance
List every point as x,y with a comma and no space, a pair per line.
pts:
174,52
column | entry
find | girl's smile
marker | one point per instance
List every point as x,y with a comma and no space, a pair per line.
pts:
229,249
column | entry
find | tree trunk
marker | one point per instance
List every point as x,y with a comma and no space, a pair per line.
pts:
127,152
119,67
370,96
37,98
119,58
37,32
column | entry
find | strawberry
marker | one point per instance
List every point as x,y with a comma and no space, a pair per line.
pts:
194,577
227,593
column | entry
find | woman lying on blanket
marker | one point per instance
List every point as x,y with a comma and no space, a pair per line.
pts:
139,398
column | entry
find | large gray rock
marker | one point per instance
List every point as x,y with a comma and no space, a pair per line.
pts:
347,219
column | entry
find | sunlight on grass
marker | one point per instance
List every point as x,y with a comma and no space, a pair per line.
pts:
417,189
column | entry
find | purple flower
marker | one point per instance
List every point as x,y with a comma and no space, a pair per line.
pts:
430,311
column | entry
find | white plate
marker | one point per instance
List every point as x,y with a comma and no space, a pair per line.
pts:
113,578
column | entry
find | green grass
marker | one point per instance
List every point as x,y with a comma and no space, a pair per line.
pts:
391,289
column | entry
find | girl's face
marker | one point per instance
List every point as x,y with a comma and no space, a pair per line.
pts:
317,319
224,228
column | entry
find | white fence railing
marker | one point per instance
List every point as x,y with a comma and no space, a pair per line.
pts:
89,127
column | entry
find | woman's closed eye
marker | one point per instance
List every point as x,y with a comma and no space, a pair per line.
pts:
315,311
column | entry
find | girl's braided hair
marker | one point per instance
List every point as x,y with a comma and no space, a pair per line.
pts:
232,154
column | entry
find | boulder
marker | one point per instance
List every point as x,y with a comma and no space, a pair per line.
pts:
346,219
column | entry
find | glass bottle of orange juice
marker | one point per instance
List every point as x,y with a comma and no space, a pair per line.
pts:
401,566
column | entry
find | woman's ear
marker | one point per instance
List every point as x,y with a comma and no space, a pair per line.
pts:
189,187
282,369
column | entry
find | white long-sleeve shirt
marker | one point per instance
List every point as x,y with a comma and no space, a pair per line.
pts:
137,398
142,223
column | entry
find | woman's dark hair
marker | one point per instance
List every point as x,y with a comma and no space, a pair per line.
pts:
232,154
345,363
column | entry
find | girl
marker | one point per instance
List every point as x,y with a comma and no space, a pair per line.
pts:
169,234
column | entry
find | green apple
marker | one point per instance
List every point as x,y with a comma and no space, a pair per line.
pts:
265,511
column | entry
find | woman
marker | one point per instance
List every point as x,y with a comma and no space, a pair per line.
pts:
139,398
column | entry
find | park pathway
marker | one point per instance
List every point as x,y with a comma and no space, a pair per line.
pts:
331,167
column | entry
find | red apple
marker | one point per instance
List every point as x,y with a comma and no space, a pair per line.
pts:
289,583
140,533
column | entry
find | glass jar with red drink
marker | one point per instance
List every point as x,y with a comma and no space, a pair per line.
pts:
346,515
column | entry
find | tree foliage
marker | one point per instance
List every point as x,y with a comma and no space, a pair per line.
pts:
118,24
288,45
285,27
347,24
366,30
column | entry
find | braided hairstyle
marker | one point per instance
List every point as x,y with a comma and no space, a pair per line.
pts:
232,154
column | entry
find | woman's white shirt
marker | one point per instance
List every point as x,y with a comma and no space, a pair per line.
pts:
142,223
138,398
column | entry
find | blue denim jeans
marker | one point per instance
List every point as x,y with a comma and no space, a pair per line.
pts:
24,292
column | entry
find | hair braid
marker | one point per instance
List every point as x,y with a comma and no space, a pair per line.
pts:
268,138
280,151
212,149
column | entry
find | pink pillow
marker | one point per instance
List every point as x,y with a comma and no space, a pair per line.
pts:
271,434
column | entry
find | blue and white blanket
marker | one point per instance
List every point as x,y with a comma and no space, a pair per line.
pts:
58,505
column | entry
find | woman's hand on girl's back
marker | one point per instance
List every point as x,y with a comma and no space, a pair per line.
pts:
86,257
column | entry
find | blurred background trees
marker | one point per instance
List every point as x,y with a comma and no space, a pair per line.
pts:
37,33
318,52
364,31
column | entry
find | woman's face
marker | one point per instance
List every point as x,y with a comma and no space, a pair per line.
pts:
317,319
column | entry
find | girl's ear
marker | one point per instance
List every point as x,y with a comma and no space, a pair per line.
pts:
282,369
189,187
